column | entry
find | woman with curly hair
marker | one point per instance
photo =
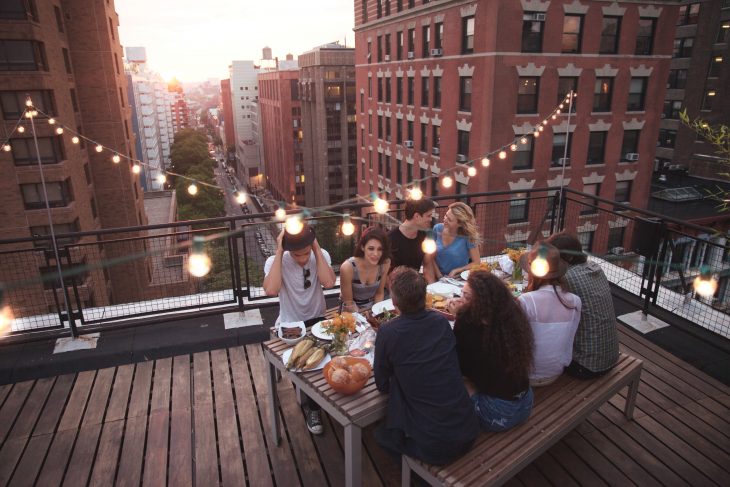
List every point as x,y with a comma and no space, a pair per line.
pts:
457,244
494,345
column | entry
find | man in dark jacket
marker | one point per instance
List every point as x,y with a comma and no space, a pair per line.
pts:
429,416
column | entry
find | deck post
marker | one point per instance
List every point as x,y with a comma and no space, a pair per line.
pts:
274,405
353,456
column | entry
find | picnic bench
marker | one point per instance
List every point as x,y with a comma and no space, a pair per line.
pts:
558,408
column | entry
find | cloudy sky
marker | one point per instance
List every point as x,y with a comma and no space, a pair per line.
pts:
194,40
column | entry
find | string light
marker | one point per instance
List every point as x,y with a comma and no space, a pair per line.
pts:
59,130
240,197
416,193
116,159
544,122
429,244
540,128
21,129
536,133
523,141
35,113
136,168
513,147
380,205
28,102
29,114
198,262
51,121
472,171
705,284
485,161
280,213
539,267
347,227
99,148
162,178
502,155
560,107
192,189
74,140
6,147
294,225
447,181
555,116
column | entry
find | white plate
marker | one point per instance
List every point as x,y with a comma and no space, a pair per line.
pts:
318,329
285,358
443,289
381,306
295,324
464,275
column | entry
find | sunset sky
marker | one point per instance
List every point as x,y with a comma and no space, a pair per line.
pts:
193,44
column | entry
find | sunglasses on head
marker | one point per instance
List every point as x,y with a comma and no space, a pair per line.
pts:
306,273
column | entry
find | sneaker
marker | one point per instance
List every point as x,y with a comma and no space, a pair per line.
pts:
314,421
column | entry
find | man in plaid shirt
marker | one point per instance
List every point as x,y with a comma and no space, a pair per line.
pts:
595,347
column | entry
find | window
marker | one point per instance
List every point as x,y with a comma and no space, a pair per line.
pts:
596,148
87,174
688,14
615,237
672,108
59,18
370,52
387,7
409,173
388,167
13,10
425,40
380,89
560,156
590,205
677,79
463,143
380,127
399,131
370,87
58,229
13,103
434,185
22,56
424,137
438,30
387,46
387,90
59,194
398,5
571,33
715,67
380,164
630,143
518,208
522,158
645,36
465,94
398,171
364,11
387,121
533,24
723,33
667,138
411,42
637,94
411,90
370,124
424,91
566,84
602,95
399,45
527,94
92,204
379,11
623,192
610,33
586,240
467,35
67,60
437,92
24,153
683,47
436,136
111,28
409,135
709,99
399,90
379,41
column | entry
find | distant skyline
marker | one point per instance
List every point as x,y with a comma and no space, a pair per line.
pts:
193,44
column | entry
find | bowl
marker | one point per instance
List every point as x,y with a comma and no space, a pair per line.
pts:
296,324
352,386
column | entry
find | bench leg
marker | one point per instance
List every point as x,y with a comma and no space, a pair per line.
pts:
405,472
631,397
274,405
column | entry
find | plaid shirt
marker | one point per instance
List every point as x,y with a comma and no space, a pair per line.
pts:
595,346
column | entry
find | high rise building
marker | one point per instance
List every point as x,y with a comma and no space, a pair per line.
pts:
327,92
227,133
68,59
244,91
699,81
441,84
266,53
281,130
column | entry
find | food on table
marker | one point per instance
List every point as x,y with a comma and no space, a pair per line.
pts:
433,300
300,349
340,376
339,362
483,266
315,358
359,372
304,357
377,320
291,333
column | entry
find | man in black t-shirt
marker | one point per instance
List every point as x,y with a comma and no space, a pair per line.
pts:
406,239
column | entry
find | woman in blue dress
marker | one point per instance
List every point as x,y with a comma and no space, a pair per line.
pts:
457,244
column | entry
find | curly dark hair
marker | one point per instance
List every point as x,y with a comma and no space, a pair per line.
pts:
506,334
369,234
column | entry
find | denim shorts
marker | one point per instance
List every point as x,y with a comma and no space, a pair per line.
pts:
497,414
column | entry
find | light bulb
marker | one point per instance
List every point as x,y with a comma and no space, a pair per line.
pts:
136,168
523,140
51,121
539,267
705,284
280,214
99,148
294,225
74,140
6,147
416,194
544,122
447,181
380,205
555,116
536,134
198,262
557,112
59,130
513,147
540,128
6,320
21,129
485,161
502,154
560,107
29,114
240,197
347,227
35,113
192,189
428,245
472,171
161,179
28,102
116,159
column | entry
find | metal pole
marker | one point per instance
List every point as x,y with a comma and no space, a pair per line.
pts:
71,322
565,150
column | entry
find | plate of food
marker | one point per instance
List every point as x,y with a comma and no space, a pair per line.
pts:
443,289
381,306
307,356
356,323
377,319
482,266
291,333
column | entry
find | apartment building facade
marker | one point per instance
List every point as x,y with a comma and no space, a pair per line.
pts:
244,91
441,84
327,92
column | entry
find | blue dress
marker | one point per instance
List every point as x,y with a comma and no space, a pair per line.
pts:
454,255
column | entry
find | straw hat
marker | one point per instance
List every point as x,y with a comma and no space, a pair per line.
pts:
557,266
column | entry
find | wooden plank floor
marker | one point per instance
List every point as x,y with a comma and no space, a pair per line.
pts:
202,420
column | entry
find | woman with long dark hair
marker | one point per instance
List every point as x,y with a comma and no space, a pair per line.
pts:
362,277
494,345
553,313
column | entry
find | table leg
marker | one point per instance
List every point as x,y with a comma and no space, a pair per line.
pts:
274,405
353,456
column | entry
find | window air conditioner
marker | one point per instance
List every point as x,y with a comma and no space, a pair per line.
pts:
408,144
437,52
564,161
411,54
387,58
632,156
617,250
388,138
435,151
461,157
540,17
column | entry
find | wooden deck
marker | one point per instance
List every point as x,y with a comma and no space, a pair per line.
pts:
202,420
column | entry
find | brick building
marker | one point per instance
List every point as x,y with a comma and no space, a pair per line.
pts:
445,82
67,57
327,90
281,130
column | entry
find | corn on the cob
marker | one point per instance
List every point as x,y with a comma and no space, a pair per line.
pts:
298,350
304,357
315,358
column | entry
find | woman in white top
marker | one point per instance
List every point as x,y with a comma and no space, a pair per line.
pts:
553,313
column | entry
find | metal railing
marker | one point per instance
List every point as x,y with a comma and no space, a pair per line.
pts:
137,275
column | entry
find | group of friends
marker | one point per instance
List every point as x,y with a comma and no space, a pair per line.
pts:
444,384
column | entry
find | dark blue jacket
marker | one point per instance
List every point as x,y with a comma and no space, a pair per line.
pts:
416,363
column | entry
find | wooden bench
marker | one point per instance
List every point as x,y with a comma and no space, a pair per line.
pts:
558,408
